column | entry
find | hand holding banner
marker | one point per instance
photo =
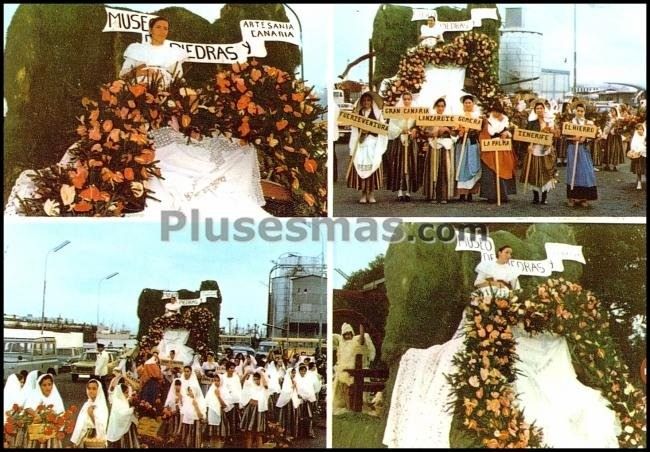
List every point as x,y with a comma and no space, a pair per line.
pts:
575,130
363,123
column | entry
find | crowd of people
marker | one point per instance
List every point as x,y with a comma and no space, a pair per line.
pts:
233,402
447,164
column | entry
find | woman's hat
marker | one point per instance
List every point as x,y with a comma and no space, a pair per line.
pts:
377,99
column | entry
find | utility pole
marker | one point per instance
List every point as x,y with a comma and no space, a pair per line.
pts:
575,51
370,68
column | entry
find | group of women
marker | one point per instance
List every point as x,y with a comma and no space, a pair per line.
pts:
233,402
447,163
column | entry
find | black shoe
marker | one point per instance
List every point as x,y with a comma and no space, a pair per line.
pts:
544,201
400,199
407,198
535,197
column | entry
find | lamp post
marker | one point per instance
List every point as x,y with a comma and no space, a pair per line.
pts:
302,66
53,250
99,286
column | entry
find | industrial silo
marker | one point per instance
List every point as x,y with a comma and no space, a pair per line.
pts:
520,53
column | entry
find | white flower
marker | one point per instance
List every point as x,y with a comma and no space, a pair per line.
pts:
629,429
68,194
51,208
629,389
137,189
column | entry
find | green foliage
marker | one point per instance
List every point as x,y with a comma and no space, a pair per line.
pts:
226,29
151,305
373,272
357,430
394,32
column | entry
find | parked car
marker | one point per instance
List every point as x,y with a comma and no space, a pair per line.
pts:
68,356
244,349
30,354
344,130
85,367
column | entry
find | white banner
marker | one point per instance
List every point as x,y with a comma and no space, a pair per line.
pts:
167,294
209,293
254,35
556,253
477,16
203,297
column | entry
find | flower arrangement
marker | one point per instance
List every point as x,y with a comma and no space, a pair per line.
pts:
474,50
115,154
485,399
53,425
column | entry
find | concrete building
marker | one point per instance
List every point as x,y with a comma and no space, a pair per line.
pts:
553,84
297,305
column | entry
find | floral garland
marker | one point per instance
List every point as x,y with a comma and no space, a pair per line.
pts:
18,419
474,50
485,400
115,154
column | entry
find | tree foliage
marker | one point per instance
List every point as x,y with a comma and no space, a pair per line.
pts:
373,272
394,32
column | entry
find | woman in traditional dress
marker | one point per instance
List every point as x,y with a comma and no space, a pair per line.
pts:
122,421
232,390
614,151
172,412
497,126
255,403
92,420
550,395
539,165
438,176
305,388
401,170
638,154
366,150
193,414
287,404
13,393
273,378
583,188
44,394
218,405
468,159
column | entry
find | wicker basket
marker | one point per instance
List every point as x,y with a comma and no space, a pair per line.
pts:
94,443
36,432
148,426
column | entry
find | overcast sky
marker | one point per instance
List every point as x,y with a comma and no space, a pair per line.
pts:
610,38
313,18
134,249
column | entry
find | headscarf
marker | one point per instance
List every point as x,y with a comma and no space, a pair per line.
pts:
100,414
273,377
638,142
188,411
347,328
233,388
382,140
497,126
305,387
121,416
13,394
36,396
196,365
29,386
214,404
170,401
252,391
289,392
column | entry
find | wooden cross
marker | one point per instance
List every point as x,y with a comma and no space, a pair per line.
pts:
497,145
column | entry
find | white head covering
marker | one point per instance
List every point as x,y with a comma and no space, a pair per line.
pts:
30,385
289,392
121,416
382,140
35,397
638,143
497,125
170,402
13,394
232,388
196,364
252,391
188,412
214,404
347,328
273,377
100,414
305,387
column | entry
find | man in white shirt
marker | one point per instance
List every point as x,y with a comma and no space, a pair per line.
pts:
101,365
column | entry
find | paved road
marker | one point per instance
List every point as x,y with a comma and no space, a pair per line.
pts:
617,195
75,393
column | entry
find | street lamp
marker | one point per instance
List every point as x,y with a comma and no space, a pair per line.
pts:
302,66
99,286
53,250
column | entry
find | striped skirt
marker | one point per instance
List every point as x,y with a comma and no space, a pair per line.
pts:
252,420
402,168
128,441
305,417
438,179
171,427
597,152
225,428
560,144
272,413
541,175
374,182
638,166
288,419
614,152
192,434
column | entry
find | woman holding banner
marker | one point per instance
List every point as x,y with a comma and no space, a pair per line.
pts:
468,158
438,178
539,165
402,172
366,150
580,176
497,126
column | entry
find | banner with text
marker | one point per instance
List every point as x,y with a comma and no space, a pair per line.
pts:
556,253
254,35
532,136
404,112
477,16
363,123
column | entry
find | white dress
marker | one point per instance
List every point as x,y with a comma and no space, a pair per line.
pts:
166,60
569,413
215,176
